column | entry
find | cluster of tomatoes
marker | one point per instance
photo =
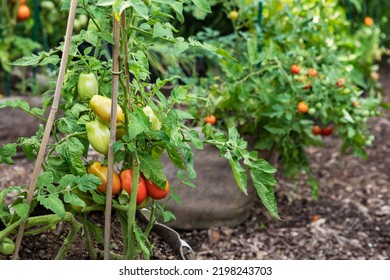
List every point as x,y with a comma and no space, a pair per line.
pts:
98,130
98,134
24,11
303,107
123,181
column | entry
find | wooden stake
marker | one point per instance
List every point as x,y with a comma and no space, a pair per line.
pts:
114,104
50,121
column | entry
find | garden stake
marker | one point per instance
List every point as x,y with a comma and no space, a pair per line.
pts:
114,104
50,121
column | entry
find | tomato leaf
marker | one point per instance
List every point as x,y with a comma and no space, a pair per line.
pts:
263,184
22,210
142,241
152,169
7,151
204,5
53,203
73,199
239,174
88,182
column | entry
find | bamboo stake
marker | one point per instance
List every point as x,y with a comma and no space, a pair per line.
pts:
114,104
50,121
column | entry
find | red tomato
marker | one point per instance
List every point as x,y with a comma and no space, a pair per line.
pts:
126,178
326,131
316,130
154,191
295,69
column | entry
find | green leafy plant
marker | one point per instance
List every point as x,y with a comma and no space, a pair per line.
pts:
147,123
290,53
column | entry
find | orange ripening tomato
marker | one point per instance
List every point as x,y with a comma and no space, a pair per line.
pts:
100,171
368,21
303,107
341,82
356,103
316,130
24,12
127,183
154,191
312,72
295,69
211,119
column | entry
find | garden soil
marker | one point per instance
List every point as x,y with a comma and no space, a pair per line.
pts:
350,219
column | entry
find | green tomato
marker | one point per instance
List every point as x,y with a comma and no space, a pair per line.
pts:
7,246
48,5
147,2
156,124
311,111
98,136
87,86
318,105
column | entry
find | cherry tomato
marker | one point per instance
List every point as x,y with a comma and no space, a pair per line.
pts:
303,107
368,21
326,131
233,15
341,82
100,171
356,103
211,119
308,85
316,130
126,179
154,191
295,69
7,246
312,72
24,12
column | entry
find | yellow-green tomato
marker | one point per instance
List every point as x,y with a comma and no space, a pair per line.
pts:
156,124
7,246
98,135
87,86
101,106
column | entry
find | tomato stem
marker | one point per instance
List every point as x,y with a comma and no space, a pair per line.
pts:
131,253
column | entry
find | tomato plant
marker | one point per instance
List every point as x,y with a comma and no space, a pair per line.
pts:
300,51
148,123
